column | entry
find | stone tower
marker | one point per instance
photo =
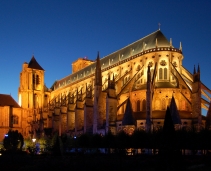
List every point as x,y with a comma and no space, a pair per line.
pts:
31,90
31,95
196,97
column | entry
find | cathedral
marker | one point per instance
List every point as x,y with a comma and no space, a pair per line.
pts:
126,90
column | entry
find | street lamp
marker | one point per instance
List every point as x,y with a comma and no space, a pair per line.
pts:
33,140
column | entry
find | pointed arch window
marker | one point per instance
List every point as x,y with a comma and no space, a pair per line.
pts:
160,73
138,106
35,101
144,105
37,79
33,79
165,73
45,100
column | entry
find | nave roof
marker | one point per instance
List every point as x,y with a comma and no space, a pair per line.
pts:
136,47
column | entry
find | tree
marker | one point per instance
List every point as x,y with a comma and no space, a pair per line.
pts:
13,140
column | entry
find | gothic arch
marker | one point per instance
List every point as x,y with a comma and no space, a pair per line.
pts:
143,105
37,79
165,73
45,100
160,73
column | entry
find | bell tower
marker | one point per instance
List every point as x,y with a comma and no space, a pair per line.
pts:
31,89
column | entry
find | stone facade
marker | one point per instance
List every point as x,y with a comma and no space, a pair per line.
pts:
93,98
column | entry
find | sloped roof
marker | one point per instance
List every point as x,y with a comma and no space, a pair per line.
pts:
148,42
34,64
128,115
7,100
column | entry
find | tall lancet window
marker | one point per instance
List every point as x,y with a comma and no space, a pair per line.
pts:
33,79
35,101
37,79
165,73
144,105
160,73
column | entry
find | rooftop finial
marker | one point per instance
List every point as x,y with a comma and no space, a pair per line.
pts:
170,42
159,26
180,48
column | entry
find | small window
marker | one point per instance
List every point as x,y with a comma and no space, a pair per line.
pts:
15,119
33,79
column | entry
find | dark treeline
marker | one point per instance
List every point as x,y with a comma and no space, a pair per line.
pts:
176,141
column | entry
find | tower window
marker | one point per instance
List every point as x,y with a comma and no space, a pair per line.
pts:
15,119
33,79
37,79
163,74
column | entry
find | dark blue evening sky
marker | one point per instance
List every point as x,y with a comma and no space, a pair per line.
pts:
58,32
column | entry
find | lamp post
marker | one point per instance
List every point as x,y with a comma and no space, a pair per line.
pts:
34,140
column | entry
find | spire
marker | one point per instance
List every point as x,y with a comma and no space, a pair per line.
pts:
180,48
174,112
98,76
198,70
194,70
156,42
159,26
128,115
148,74
143,46
170,42
168,126
34,64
